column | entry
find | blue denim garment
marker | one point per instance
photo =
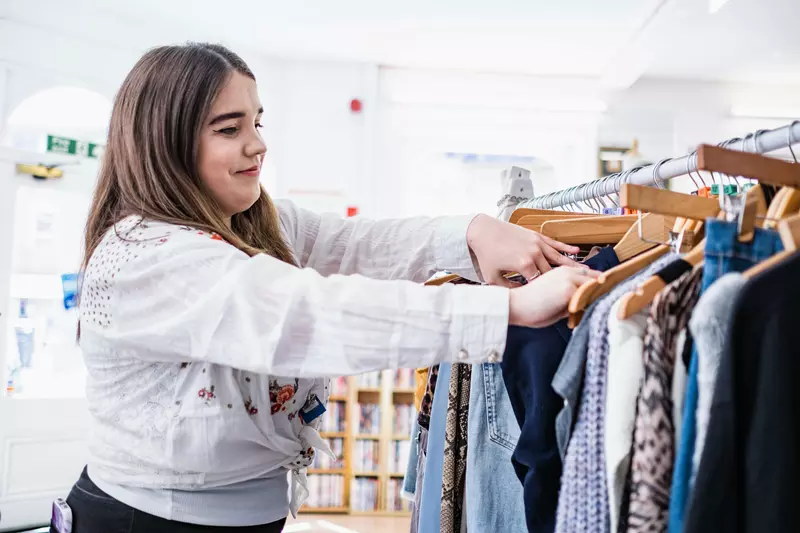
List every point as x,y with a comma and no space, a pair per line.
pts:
723,254
494,496
530,362
410,479
568,380
431,499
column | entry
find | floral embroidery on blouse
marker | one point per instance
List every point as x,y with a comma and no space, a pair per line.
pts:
249,407
280,395
206,394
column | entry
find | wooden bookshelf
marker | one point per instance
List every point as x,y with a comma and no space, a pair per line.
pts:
386,396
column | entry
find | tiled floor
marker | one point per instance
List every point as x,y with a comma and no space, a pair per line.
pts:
311,523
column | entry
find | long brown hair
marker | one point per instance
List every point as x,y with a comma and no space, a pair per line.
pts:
150,163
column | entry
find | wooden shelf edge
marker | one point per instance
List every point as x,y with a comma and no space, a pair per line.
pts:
397,474
335,471
369,389
318,510
333,434
334,398
364,436
380,513
366,474
404,391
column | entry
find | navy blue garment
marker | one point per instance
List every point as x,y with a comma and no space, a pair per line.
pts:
530,361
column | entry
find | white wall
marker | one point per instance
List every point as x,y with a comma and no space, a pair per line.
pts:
317,147
380,160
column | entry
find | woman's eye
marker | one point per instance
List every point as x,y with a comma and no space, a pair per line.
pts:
228,131
258,125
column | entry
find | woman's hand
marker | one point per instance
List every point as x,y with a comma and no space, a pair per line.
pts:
501,247
544,301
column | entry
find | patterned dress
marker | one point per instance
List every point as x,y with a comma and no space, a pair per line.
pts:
653,452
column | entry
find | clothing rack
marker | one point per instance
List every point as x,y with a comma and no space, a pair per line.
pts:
761,141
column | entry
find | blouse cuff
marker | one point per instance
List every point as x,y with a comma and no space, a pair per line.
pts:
480,324
451,250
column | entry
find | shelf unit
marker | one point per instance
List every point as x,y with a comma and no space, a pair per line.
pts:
386,396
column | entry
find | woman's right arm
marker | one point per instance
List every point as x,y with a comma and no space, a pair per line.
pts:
189,297
194,298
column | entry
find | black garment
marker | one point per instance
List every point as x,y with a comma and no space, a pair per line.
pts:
94,511
747,479
530,361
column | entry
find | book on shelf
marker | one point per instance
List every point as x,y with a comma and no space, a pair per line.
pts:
364,494
334,420
404,378
323,462
394,499
399,451
370,380
325,491
403,418
366,456
369,418
339,387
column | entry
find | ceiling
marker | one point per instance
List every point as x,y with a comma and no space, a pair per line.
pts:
614,40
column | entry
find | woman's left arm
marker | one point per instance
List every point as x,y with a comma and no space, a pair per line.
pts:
474,247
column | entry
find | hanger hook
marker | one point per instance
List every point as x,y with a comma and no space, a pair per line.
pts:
560,199
586,190
609,195
565,203
573,198
790,138
689,169
656,168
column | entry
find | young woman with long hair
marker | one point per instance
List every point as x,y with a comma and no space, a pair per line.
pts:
210,318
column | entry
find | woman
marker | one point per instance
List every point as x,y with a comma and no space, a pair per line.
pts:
194,303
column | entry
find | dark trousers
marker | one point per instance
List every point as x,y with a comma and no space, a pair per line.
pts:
94,511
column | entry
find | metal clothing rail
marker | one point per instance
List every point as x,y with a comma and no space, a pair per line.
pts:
762,141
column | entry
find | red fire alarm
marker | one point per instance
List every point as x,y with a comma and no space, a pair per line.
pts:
356,105
352,211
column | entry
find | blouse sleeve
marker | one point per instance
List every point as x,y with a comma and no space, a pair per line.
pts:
411,249
200,299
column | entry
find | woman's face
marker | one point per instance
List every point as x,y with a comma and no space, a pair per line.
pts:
231,149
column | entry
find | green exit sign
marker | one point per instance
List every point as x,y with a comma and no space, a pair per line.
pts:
63,145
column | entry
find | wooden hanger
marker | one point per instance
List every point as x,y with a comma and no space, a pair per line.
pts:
664,202
652,200
595,230
750,165
710,158
535,222
525,211
786,202
654,228
640,298
592,290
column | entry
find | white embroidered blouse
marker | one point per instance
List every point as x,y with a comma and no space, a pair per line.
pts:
184,338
